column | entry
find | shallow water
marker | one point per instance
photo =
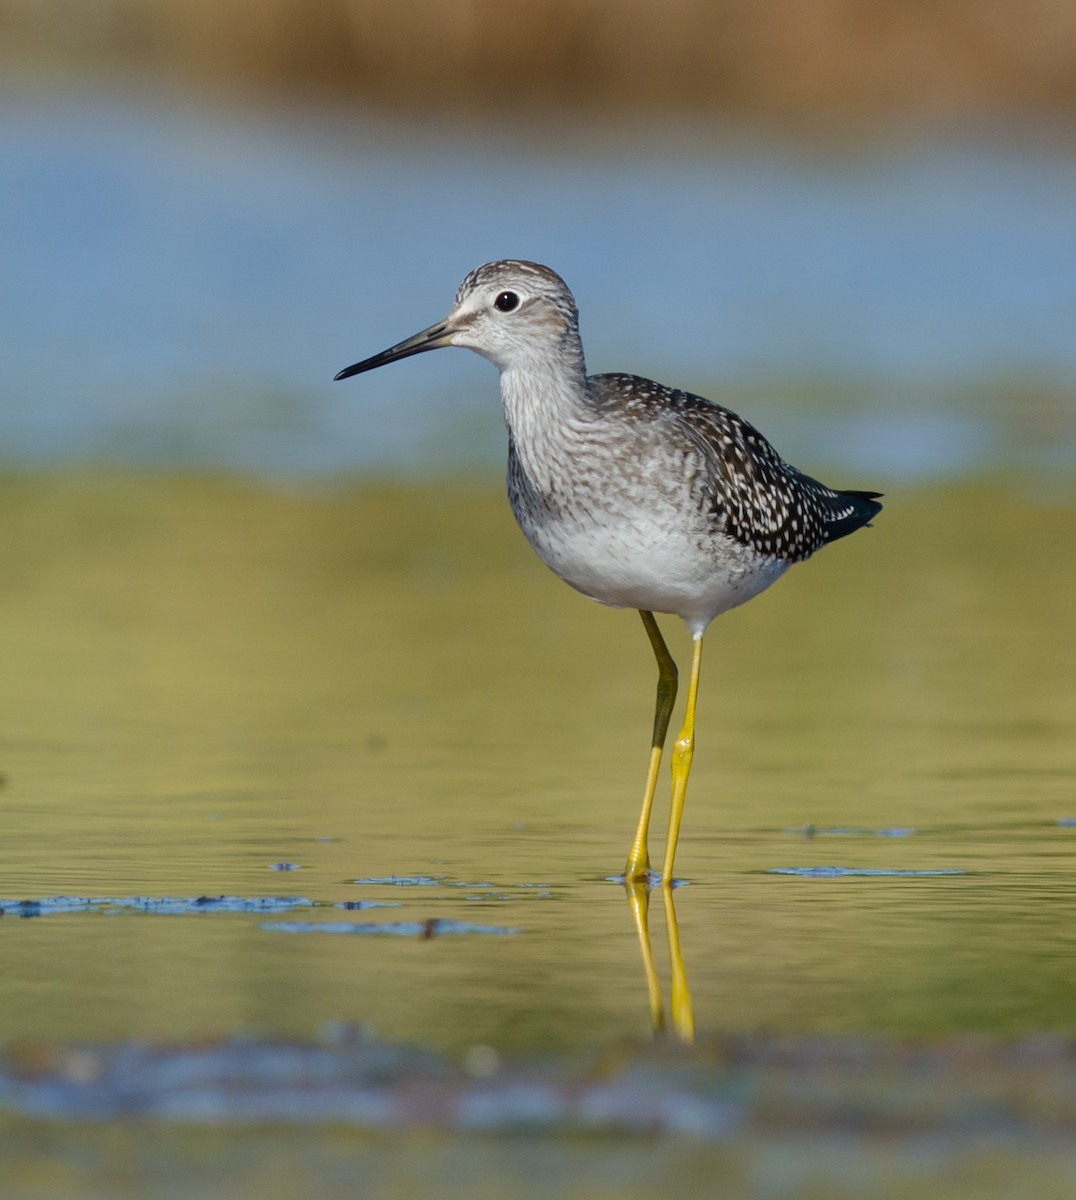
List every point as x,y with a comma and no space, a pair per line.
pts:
233,712
207,680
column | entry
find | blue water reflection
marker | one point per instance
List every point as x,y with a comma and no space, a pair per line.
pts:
182,281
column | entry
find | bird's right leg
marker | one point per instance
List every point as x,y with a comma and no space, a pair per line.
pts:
638,867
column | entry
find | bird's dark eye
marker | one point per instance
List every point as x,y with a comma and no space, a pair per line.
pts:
506,302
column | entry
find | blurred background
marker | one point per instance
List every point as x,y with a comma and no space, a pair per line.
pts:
251,616
850,215
254,619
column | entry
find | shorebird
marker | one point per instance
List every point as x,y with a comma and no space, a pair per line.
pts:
637,494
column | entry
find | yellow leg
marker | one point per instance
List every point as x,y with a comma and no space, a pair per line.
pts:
638,867
682,753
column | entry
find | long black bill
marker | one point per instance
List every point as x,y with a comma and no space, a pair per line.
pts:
429,339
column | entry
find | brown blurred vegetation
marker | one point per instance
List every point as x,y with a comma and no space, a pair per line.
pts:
768,56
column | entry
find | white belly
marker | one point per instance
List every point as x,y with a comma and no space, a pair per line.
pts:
694,575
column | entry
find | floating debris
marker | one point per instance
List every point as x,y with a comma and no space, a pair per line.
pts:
152,904
812,831
841,872
430,928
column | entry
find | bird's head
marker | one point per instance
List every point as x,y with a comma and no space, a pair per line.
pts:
510,311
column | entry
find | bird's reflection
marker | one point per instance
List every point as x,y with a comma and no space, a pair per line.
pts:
681,1010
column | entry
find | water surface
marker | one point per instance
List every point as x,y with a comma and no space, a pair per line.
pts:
209,679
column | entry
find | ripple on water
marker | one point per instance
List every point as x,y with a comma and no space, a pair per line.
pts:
171,905
842,872
430,928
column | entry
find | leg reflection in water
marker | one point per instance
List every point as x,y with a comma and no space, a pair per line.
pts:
680,1006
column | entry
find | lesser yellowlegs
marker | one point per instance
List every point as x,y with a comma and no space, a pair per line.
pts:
638,495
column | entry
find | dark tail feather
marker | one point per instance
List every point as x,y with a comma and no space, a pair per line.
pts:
851,511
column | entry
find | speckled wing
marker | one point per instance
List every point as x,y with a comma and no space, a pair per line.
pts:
755,497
